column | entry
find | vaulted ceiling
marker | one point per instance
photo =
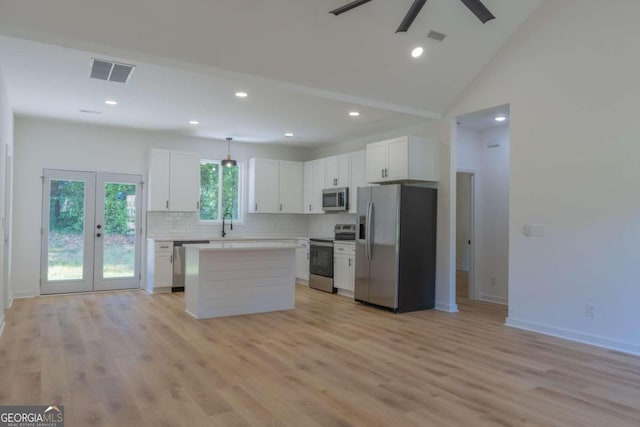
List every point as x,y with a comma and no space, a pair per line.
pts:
292,46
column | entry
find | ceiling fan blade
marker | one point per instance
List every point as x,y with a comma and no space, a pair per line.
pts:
414,10
479,10
348,7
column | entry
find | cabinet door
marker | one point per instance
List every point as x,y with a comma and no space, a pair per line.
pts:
376,155
184,184
398,159
163,270
357,178
352,271
341,271
302,263
342,163
318,185
308,187
159,171
331,172
291,187
264,186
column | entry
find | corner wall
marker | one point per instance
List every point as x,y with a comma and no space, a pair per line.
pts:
570,75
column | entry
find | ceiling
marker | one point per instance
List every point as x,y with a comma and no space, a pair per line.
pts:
303,67
485,119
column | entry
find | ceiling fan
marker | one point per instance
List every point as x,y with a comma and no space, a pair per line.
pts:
474,6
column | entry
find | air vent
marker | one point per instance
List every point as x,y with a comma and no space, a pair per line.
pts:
90,111
434,35
110,71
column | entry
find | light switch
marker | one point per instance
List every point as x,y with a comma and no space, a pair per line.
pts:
534,230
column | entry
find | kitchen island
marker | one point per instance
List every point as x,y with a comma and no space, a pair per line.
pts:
229,279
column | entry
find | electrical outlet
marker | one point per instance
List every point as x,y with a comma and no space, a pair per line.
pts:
590,310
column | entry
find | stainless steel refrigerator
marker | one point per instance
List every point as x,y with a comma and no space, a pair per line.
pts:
396,247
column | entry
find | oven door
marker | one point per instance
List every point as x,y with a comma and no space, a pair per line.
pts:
321,259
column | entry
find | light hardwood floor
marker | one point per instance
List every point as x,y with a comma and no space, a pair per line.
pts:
131,359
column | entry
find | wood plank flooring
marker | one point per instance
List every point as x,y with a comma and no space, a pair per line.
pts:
131,359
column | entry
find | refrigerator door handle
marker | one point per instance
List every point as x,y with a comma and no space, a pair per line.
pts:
369,215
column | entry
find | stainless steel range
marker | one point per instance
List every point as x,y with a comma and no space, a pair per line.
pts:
321,257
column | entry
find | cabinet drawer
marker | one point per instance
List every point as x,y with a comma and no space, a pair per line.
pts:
160,247
341,248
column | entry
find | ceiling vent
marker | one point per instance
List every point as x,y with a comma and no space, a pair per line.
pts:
82,110
110,71
434,35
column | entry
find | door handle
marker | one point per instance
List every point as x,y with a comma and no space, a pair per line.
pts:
167,204
256,207
197,205
170,259
98,235
382,173
280,207
309,207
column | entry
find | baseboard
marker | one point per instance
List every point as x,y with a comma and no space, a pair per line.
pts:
493,299
191,314
449,308
302,282
24,294
598,341
345,293
1,325
156,291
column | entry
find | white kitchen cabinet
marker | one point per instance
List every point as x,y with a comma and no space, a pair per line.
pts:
302,260
317,185
406,158
159,266
336,172
307,206
275,186
356,178
344,266
174,181
291,187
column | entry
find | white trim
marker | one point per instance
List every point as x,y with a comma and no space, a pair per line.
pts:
10,303
449,308
24,294
576,336
494,299
161,290
1,325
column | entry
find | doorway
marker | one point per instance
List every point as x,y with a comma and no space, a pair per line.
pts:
465,235
90,231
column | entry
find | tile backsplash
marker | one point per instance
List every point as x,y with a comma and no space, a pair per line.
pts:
186,225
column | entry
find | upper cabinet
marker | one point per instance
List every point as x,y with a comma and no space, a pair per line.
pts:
356,178
401,159
314,183
336,172
275,186
174,181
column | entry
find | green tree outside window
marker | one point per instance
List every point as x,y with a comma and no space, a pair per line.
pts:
211,192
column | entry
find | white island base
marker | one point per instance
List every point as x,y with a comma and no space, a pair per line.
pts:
230,279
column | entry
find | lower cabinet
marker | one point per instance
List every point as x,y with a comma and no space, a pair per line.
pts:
344,266
302,260
159,266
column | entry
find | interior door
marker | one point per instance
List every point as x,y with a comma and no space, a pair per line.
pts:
90,231
68,204
117,232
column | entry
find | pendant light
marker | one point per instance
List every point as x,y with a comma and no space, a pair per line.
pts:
228,162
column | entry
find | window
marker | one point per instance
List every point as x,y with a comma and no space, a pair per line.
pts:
219,191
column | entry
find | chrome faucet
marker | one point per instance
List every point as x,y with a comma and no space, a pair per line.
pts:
224,216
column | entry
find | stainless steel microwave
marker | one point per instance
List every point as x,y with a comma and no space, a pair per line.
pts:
335,199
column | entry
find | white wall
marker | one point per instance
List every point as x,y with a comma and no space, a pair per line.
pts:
41,143
6,147
570,75
491,215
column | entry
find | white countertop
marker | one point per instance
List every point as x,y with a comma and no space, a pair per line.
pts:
236,246
229,237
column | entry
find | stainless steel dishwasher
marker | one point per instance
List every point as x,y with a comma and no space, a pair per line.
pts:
179,262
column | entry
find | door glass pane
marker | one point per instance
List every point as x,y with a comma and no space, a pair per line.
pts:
119,230
66,230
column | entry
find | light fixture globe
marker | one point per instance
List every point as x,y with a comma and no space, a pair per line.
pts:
229,162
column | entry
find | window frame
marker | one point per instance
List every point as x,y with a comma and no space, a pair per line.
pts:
240,219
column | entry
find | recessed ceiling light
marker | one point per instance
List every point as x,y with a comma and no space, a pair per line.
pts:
242,94
417,52
500,118
111,102
288,135
194,122
354,113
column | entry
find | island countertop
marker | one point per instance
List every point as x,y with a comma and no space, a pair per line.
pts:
238,246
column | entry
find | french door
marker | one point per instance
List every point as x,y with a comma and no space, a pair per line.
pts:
90,231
